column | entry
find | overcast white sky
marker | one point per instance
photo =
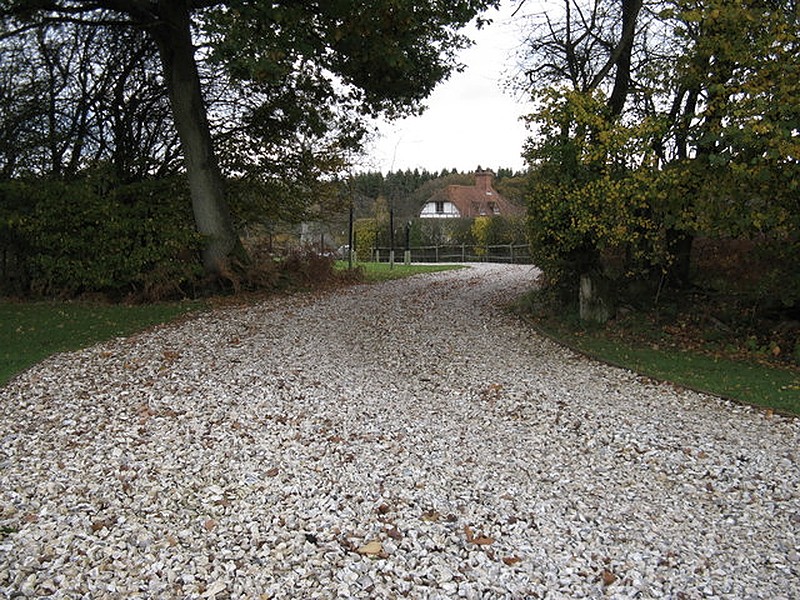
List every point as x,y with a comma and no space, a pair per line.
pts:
471,120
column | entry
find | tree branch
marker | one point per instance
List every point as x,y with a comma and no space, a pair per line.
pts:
623,46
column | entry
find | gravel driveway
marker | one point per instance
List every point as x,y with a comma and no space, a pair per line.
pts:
408,439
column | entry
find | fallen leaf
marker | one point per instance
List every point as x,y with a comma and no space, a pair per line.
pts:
272,472
483,540
608,577
512,560
209,524
97,526
394,533
373,548
430,516
478,540
492,393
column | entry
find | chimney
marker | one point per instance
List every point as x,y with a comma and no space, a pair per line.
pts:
483,179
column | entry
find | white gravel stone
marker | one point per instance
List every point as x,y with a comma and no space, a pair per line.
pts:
250,452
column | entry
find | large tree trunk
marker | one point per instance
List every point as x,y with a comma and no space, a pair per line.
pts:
212,216
622,78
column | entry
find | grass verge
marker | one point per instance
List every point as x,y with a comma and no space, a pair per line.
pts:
377,272
30,332
750,382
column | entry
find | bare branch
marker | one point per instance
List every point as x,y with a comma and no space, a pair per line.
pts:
516,10
625,40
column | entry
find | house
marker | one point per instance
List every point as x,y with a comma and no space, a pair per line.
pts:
469,201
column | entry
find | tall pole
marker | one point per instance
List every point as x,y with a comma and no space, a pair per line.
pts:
391,234
350,238
407,254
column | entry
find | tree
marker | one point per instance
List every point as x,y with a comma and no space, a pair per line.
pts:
75,98
20,109
705,143
385,59
592,42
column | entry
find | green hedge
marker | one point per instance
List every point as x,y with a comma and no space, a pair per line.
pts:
68,238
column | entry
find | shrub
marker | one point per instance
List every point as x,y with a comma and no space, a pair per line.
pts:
81,237
304,267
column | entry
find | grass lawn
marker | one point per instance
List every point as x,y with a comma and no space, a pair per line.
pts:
376,272
750,382
30,332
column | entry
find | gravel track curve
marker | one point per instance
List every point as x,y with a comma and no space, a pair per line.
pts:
409,439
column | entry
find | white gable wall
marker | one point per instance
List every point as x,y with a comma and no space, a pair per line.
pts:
439,210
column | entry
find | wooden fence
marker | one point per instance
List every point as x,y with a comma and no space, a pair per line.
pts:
462,253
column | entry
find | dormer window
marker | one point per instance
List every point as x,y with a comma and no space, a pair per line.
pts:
439,207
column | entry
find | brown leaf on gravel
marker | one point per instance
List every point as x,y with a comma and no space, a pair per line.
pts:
478,540
209,524
98,525
394,533
608,577
272,472
492,393
483,540
512,560
468,533
431,516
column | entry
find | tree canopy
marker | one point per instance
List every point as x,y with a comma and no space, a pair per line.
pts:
267,90
704,142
